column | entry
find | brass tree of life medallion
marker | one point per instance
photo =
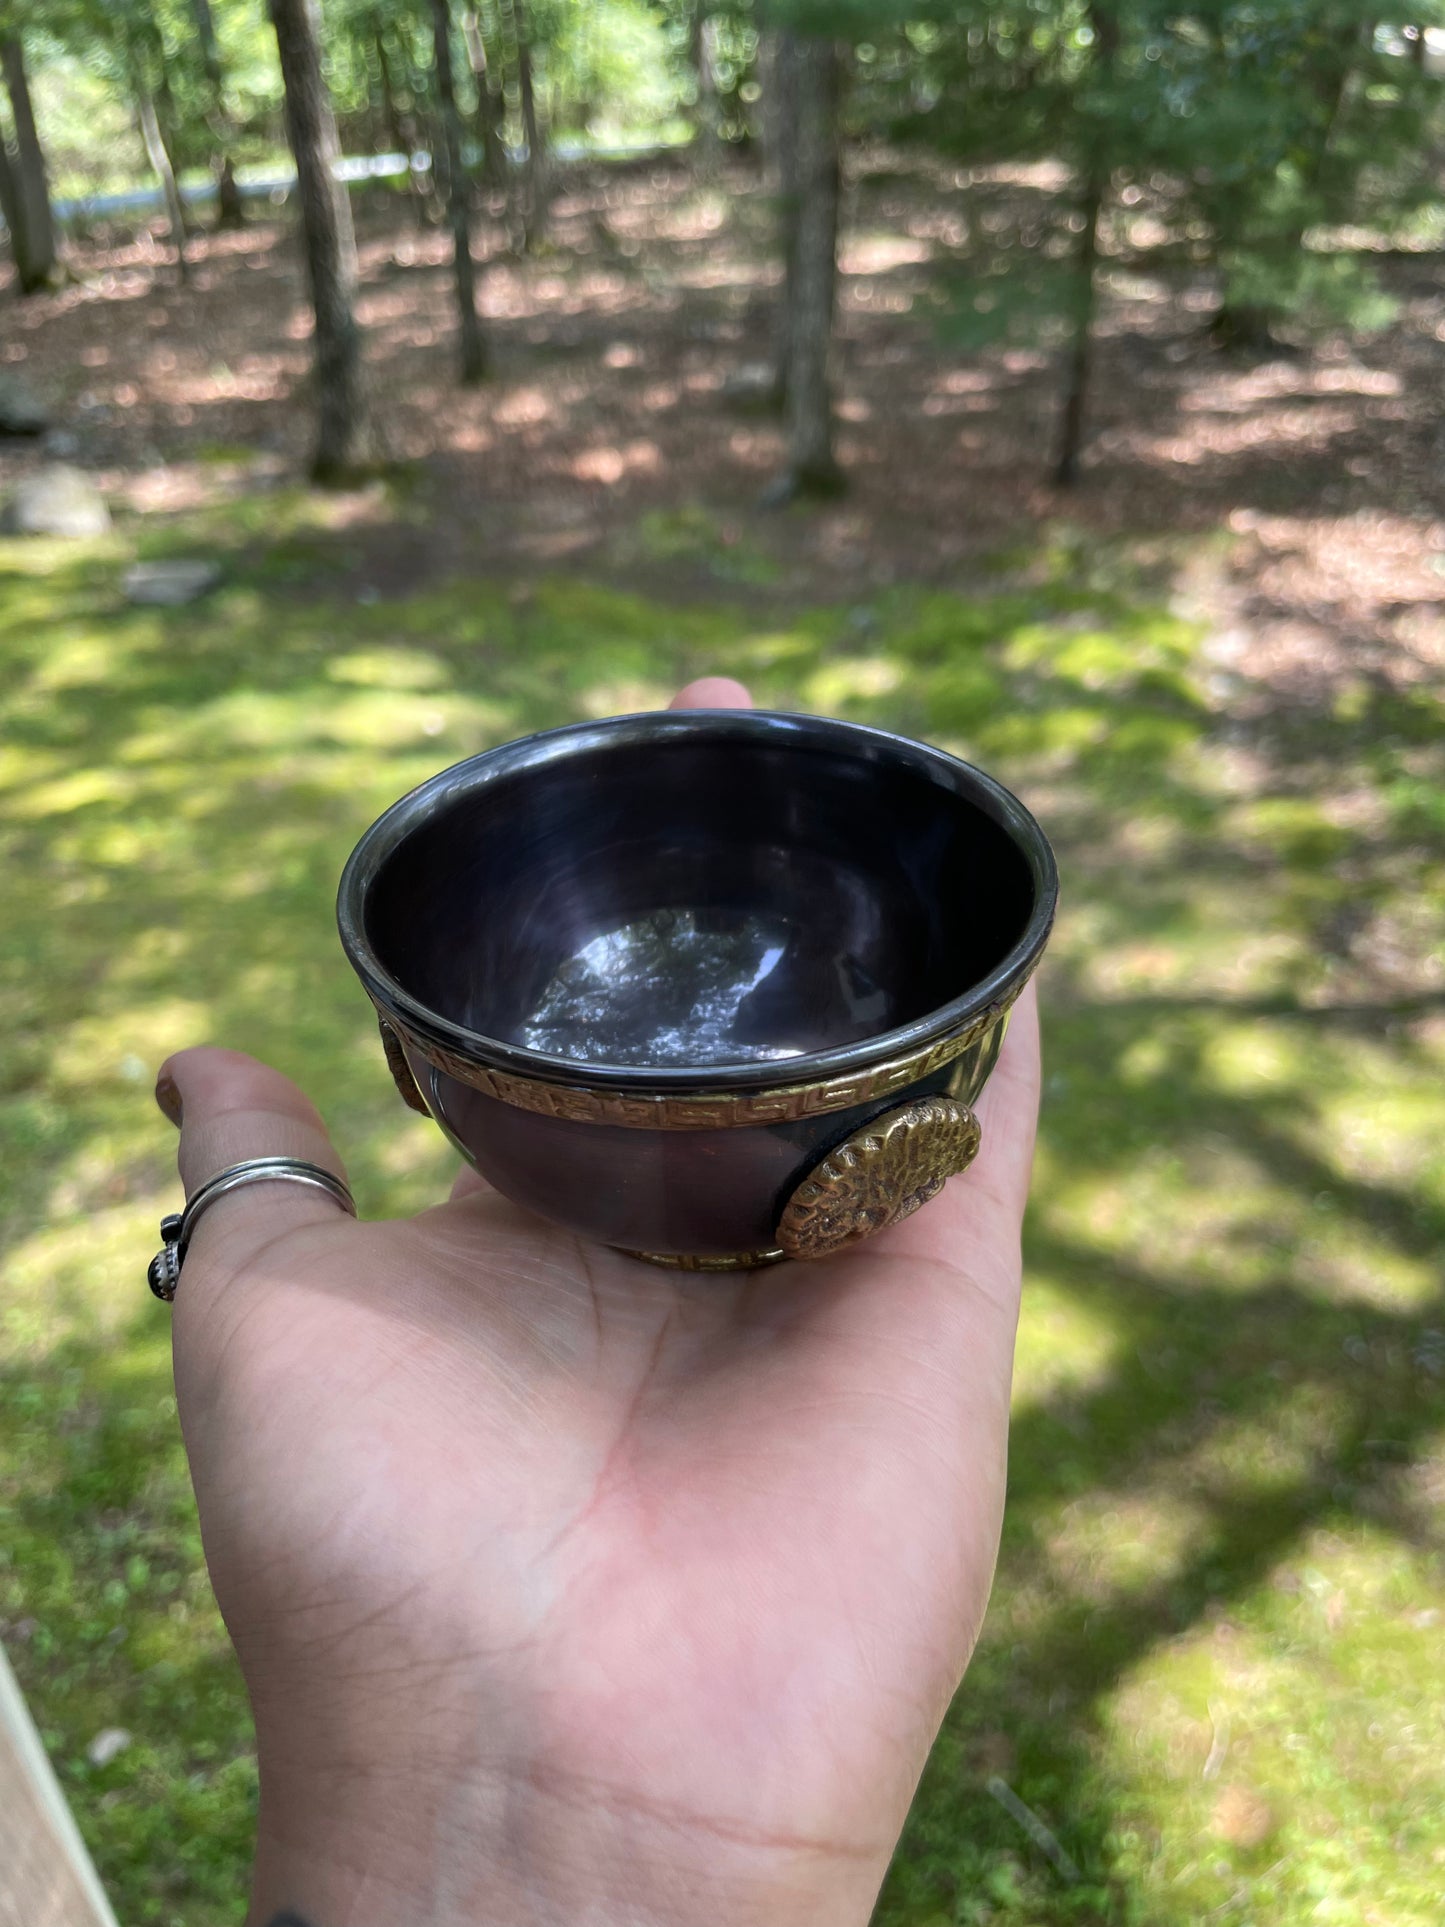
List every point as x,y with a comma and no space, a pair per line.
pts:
879,1176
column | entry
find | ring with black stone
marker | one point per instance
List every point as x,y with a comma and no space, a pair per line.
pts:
177,1228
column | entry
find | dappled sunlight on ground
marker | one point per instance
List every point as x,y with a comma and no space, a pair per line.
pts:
658,288
1220,1562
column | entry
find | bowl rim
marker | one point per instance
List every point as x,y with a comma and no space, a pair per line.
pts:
431,797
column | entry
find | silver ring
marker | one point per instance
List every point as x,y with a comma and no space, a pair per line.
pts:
165,1268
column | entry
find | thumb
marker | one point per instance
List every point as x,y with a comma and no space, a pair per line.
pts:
229,1108
713,692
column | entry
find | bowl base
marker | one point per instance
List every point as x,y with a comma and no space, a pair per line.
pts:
733,1261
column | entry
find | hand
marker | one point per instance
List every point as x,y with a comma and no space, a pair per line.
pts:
571,1590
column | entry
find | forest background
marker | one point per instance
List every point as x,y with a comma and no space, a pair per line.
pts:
1058,381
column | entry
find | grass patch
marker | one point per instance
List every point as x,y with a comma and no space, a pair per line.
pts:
1219,1586
692,535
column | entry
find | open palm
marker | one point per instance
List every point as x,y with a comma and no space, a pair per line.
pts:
567,1588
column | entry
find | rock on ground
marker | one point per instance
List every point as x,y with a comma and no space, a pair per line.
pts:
55,501
106,1744
169,584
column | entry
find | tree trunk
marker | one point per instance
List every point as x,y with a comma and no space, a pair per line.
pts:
158,154
534,188
9,197
812,468
344,438
474,352
32,232
400,133
210,47
489,100
780,172
230,208
706,116
1099,173
1418,46
1332,84
230,213
509,35
1071,428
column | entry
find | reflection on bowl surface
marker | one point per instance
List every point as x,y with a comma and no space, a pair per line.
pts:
689,987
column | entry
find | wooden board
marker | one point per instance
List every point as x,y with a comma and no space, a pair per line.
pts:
46,1876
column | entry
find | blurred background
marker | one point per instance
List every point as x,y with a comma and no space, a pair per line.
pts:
1058,381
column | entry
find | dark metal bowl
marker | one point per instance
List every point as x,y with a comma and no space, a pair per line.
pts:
714,986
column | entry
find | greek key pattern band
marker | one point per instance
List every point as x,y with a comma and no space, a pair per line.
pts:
728,1110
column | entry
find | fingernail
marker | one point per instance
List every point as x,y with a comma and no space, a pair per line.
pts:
169,1098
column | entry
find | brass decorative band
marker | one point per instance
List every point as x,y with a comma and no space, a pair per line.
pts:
735,1261
400,1070
648,1111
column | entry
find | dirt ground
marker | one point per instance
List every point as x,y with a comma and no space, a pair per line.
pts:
617,360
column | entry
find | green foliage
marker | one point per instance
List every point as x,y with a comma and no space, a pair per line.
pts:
91,144
606,68
1231,1389
612,68
1326,290
1282,119
89,59
1260,129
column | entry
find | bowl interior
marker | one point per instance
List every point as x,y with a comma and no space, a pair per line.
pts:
688,900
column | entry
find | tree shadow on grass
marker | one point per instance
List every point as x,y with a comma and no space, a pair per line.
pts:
1194,1363
1246,1405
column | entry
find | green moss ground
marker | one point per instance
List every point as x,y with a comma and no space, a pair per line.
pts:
1212,1663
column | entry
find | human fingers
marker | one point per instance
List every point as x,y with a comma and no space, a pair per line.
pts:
229,1108
1008,1113
713,692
